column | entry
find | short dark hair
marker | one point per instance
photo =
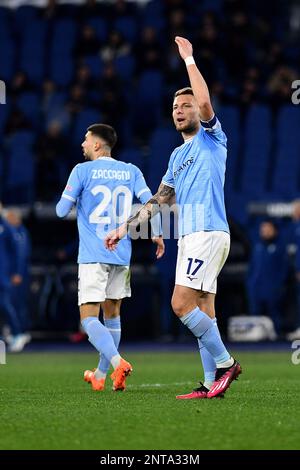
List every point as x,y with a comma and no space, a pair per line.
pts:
184,91
105,132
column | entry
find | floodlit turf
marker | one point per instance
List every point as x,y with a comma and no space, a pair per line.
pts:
45,404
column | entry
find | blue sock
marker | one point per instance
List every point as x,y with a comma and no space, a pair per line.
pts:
100,337
114,327
203,328
208,362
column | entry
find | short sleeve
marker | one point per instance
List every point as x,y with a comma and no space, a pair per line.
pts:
214,130
168,179
141,190
74,185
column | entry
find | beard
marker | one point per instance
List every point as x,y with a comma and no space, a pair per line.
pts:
189,128
86,156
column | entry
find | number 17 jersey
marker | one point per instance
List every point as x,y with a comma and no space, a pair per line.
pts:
103,191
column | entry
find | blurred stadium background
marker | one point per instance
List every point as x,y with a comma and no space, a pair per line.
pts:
69,64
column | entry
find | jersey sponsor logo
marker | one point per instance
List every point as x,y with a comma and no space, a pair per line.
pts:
69,187
182,167
111,174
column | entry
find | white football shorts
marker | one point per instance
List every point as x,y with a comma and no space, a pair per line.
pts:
200,258
99,281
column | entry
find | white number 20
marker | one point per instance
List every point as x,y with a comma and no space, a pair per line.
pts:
111,196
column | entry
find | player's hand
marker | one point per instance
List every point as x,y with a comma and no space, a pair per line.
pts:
185,48
160,246
112,238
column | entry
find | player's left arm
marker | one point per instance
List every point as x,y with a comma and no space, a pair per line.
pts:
197,81
70,194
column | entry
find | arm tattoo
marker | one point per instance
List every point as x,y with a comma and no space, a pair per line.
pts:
151,208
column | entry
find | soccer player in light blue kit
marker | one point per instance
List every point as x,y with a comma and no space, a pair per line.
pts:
195,174
103,190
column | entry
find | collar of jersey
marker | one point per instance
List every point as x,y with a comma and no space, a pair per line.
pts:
105,158
188,140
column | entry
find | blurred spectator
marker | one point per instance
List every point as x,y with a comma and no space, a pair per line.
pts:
19,84
279,85
88,43
115,47
148,51
10,275
52,158
268,270
296,238
20,292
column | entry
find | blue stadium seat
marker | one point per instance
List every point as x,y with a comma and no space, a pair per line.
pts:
256,152
23,17
162,143
127,26
82,121
19,182
100,27
7,58
152,15
63,37
125,67
148,103
229,117
62,69
286,176
133,155
28,103
32,60
95,64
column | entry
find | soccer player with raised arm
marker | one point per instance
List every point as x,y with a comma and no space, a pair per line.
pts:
103,189
196,174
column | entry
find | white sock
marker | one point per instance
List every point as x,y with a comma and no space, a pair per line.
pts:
99,375
224,364
208,384
115,360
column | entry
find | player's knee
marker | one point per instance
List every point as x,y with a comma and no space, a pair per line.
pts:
179,307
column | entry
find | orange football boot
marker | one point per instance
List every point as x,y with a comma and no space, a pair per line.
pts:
119,375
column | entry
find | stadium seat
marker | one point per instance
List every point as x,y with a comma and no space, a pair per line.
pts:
100,27
62,69
82,121
19,182
286,183
125,67
162,143
95,65
133,155
28,103
256,152
229,117
7,58
127,26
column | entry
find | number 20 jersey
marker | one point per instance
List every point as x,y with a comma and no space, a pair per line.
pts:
103,191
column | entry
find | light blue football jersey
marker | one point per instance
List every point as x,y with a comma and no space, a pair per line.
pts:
196,171
103,191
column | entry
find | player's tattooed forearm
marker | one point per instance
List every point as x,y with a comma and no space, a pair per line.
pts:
166,191
145,213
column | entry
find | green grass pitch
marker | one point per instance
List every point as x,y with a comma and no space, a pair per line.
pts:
45,404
